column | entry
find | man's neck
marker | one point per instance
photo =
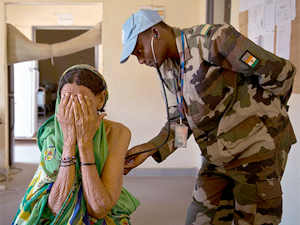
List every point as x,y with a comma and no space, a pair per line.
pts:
174,55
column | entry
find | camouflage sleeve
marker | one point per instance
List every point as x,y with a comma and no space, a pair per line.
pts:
226,47
168,148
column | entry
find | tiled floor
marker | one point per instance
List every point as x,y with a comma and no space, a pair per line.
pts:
164,200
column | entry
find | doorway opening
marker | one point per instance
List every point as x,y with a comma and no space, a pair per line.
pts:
50,70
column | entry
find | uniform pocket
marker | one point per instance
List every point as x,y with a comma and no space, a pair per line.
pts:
267,190
240,133
269,202
247,137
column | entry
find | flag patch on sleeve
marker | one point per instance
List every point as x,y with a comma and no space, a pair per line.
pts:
249,59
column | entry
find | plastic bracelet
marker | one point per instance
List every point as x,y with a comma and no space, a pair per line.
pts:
71,162
87,164
68,159
67,164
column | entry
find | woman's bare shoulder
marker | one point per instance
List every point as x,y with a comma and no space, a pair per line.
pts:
118,136
112,127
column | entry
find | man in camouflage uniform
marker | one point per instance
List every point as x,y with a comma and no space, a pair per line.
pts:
234,103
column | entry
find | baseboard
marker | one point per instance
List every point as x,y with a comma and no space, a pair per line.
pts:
165,172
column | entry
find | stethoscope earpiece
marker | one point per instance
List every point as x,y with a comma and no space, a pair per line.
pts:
152,48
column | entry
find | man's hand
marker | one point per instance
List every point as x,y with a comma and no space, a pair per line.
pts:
134,161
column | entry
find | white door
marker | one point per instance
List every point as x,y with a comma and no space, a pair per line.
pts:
26,82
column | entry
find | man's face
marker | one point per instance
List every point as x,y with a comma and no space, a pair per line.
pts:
143,50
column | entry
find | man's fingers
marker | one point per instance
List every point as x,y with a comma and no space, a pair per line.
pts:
129,163
126,171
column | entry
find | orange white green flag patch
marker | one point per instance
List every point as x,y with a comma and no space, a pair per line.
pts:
249,59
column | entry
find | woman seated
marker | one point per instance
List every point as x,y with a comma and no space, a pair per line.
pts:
79,179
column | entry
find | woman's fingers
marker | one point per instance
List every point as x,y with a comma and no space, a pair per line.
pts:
65,117
71,112
83,104
77,109
61,108
65,104
100,117
69,105
88,103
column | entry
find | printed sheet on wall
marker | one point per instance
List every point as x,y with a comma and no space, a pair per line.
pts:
275,26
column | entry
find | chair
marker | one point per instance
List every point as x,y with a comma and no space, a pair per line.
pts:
41,101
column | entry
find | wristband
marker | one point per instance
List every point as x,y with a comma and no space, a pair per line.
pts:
87,164
67,164
68,159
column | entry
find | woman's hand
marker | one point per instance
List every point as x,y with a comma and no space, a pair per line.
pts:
87,121
65,117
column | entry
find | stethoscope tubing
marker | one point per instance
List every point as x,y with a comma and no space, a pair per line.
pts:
167,108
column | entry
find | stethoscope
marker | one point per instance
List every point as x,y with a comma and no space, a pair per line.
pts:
179,102
166,104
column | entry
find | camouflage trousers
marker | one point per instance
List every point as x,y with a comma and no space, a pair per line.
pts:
248,194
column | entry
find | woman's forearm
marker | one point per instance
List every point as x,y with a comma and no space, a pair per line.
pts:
64,182
99,203
98,200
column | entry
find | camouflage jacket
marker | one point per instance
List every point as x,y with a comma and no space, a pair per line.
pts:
234,96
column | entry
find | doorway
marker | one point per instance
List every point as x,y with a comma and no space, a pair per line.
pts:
50,70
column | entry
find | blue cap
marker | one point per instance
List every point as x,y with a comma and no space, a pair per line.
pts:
134,25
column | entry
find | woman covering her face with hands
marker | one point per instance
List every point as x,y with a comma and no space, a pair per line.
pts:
79,179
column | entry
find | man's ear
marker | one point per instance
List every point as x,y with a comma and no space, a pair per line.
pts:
101,99
155,32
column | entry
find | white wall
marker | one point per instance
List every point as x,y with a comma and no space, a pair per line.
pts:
135,90
291,177
234,17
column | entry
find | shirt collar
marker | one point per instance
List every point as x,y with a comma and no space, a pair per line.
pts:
168,64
